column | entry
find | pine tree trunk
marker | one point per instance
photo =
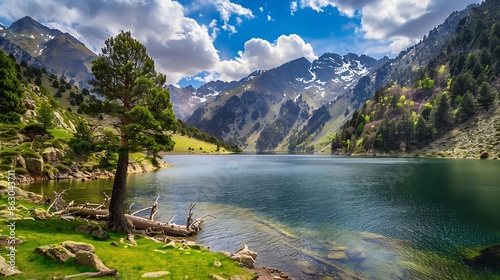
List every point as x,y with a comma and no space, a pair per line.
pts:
117,221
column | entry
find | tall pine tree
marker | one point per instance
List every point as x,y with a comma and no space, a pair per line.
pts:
485,96
466,109
444,117
134,96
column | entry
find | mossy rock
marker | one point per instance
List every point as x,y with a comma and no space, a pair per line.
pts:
55,252
94,231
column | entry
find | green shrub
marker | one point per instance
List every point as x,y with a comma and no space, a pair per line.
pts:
9,134
21,171
30,154
5,167
62,167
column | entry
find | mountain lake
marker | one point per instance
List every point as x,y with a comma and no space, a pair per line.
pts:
313,215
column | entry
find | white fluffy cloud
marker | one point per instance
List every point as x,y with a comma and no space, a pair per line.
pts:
179,45
395,24
226,10
261,54
293,7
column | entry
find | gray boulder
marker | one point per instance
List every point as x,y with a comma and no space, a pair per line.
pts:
75,247
52,155
42,214
95,231
34,165
20,162
244,256
55,252
6,270
90,259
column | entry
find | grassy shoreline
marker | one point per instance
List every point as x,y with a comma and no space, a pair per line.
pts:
131,261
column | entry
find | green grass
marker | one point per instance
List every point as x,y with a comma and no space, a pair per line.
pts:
130,261
59,133
183,143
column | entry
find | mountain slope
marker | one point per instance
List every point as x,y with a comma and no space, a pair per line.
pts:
39,46
452,107
68,57
261,111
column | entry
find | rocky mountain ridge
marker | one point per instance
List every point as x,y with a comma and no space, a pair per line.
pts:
240,111
325,92
39,46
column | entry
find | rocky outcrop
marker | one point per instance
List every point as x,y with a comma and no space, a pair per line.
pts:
52,155
82,253
6,270
75,247
144,166
20,194
68,126
42,214
55,252
94,231
34,165
20,162
244,256
90,259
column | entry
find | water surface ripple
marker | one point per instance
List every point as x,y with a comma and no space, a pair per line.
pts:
390,218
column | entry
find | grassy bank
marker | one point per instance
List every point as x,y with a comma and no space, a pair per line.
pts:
130,261
185,145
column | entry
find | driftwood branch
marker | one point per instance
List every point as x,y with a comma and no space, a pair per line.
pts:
172,219
154,209
112,272
106,199
190,215
58,202
149,225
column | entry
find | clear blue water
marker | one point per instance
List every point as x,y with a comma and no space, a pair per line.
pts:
409,218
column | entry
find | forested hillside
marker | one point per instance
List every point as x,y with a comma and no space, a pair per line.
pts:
455,90
45,131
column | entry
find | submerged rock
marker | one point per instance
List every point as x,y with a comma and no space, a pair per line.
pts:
356,255
385,241
488,257
338,255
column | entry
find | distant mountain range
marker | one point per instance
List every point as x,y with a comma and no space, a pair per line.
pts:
295,107
279,100
39,46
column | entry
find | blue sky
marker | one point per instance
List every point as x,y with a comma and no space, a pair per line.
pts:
193,42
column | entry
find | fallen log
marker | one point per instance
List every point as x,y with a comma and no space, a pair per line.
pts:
140,223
